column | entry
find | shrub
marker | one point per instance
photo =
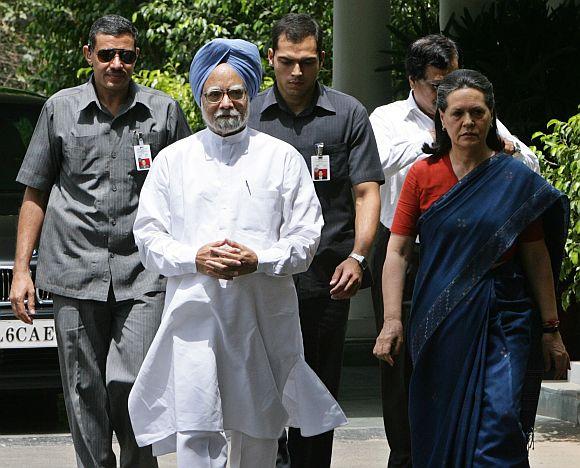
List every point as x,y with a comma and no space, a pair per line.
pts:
409,20
170,32
529,50
560,162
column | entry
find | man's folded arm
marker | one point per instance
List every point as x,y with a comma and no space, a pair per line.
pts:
158,250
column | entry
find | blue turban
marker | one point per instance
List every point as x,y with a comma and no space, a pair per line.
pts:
241,55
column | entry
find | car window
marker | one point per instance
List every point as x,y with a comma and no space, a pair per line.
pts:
17,123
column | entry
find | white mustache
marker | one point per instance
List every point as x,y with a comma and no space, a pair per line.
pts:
227,113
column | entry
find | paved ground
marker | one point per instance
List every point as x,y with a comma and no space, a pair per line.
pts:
32,440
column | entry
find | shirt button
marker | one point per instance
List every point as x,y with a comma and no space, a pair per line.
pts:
113,222
114,188
111,255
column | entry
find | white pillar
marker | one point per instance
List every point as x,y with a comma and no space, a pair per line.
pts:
359,35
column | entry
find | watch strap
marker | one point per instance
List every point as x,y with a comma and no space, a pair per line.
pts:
360,259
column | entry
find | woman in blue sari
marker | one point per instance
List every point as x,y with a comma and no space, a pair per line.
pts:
484,312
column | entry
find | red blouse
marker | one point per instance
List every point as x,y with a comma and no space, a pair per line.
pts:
426,182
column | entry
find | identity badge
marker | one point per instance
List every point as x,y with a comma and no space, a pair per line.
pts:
320,164
142,154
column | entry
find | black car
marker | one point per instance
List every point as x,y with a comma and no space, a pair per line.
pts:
28,354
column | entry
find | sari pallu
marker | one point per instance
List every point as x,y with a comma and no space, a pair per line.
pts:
473,328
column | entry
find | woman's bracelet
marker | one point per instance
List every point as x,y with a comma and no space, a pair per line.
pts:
550,326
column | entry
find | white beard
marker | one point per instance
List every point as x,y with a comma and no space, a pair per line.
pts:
225,122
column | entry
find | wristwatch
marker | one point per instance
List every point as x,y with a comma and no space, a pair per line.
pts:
361,260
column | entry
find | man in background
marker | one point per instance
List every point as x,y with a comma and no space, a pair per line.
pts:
332,132
401,129
83,176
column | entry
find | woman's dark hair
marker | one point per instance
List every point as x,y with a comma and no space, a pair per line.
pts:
297,27
111,25
460,79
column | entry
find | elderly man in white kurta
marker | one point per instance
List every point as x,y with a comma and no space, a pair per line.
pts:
228,215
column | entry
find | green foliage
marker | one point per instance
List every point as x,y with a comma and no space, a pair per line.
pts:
175,29
560,163
530,52
57,30
409,21
13,45
171,31
176,85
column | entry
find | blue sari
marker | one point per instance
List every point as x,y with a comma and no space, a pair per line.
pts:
473,331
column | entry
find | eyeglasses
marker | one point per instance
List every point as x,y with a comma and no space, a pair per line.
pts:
126,56
216,95
433,84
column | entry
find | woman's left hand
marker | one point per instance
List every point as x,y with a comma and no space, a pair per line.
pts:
390,341
554,350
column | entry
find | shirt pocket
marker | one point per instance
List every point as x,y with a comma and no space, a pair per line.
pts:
338,155
156,141
260,214
81,154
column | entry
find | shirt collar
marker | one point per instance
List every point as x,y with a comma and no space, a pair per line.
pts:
230,139
320,99
136,96
323,100
413,108
227,148
89,96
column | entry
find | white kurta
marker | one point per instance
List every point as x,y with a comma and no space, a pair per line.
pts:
228,355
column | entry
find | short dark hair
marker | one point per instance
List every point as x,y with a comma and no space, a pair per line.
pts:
297,27
459,79
111,25
435,50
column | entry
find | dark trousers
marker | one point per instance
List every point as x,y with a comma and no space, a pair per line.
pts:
394,380
101,346
323,322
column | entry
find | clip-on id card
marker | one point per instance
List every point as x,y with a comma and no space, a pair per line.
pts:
142,154
320,164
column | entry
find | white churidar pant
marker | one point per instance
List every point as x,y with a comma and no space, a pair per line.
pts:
204,449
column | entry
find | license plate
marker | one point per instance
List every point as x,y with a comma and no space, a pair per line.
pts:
17,334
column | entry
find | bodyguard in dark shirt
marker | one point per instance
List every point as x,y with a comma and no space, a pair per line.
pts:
332,131
84,170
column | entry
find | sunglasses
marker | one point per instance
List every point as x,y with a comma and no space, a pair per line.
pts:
216,95
126,56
